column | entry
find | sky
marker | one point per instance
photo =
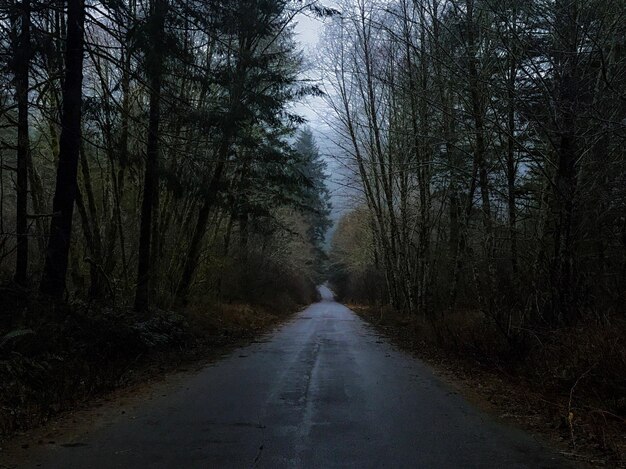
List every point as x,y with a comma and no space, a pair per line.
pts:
308,31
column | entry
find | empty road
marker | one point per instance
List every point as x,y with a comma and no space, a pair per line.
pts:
323,391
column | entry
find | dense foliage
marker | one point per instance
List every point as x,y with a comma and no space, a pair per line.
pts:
167,125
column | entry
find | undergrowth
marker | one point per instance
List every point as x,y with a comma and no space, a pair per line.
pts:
53,356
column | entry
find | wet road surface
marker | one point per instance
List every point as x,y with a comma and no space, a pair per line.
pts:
323,391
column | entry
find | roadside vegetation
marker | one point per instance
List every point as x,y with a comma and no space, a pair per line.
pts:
484,150
158,195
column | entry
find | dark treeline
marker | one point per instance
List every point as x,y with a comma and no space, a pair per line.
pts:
149,155
485,142
487,139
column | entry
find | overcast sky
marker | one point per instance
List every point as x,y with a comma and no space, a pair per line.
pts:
308,32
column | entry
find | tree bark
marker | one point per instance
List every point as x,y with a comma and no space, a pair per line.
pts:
150,188
21,64
565,181
94,241
55,269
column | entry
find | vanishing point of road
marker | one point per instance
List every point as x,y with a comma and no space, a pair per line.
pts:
322,391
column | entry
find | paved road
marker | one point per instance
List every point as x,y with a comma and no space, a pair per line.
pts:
323,391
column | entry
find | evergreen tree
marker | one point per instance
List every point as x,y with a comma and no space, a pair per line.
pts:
316,196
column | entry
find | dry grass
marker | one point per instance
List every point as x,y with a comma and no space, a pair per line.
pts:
231,320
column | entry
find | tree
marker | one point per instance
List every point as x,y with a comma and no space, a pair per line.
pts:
316,196
260,81
155,63
184,132
21,62
474,132
55,269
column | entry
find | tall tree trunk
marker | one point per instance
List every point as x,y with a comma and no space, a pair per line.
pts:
155,66
38,204
94,241
565,181
511,168
191,261
511,163
118,182
480,145
21,62
55,269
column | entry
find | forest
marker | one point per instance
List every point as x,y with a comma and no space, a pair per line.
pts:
160,193
169,128
151,164
484,150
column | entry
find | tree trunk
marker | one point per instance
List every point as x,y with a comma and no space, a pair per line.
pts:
480,147
511,164
155,64
94,241
191,261
55,269
22,58
566,50
38,204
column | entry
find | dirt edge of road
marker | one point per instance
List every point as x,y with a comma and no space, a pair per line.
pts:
508,398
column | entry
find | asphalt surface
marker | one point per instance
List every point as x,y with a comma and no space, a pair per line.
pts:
323,391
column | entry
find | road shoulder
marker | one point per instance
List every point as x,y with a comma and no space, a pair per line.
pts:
509,399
